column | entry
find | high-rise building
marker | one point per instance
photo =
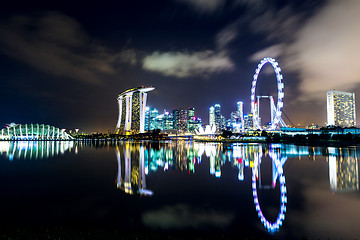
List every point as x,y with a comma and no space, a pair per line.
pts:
132,106
180,119
168,121
248,121
211,116
240,110
341,109
192,122
222,122
152,115
234,122
147,119
218,119
191,113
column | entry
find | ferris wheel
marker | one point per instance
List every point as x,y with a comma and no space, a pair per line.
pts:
280,85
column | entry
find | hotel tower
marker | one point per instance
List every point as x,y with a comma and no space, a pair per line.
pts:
132,106
341,109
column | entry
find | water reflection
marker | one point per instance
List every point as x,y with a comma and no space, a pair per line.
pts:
263,165
133,175
277,172
343,173
137,159
34,149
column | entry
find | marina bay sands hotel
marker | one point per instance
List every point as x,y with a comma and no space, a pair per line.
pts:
132,106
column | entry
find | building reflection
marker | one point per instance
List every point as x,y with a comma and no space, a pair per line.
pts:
132,171
137,159
343,171
186,155
262,162
34,149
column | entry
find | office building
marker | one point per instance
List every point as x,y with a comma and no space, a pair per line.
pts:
180,117
341,109
211,116
240,110
193,123
218,119
168,121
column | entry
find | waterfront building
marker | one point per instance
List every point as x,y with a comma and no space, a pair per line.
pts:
132,106
33,132
341,109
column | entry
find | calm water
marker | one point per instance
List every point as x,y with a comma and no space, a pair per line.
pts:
181,188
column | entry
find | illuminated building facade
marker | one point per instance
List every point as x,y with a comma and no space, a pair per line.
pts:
248,121
194,123
180,120
33,132
132,106
218,120
341,109
215,117
240,110
168,121
211,116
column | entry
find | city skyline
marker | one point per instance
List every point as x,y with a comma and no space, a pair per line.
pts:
63,66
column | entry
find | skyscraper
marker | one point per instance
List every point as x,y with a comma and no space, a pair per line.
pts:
132,106
341,109
218,119
150,119
240,110
211,116
192,122
168,121
180,119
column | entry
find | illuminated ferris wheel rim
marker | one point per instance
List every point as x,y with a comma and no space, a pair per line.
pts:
280,86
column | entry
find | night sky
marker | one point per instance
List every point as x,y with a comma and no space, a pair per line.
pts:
64,63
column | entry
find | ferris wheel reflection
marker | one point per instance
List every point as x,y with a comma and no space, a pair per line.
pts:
277,173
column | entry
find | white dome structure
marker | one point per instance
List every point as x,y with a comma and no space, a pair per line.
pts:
208,130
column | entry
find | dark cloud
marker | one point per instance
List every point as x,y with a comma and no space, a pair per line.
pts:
57,44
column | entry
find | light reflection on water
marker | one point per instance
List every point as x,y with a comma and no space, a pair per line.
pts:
136,160
34,149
